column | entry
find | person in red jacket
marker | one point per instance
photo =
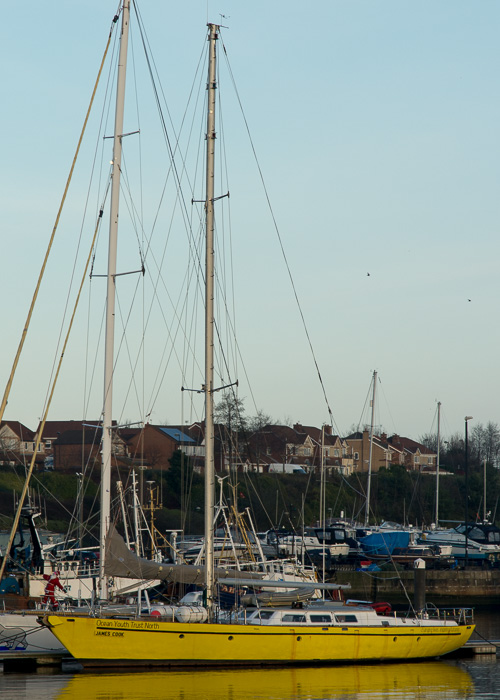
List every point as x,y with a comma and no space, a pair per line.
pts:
52,582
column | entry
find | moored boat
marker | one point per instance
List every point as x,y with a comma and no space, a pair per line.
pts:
318,634
305,633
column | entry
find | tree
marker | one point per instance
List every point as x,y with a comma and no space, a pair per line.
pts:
454,454
485,443
258,421
230,413
429,440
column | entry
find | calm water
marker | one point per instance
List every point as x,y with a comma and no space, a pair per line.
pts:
444,680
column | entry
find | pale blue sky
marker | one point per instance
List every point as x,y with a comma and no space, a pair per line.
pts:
376,125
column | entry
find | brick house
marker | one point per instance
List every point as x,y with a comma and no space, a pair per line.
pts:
73,449
154,445
54,428
279,444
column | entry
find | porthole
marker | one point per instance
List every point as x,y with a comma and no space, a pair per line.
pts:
230,639
299,638
394,639
181,636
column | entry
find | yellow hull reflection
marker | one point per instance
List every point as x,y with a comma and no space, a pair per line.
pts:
96,642
430,679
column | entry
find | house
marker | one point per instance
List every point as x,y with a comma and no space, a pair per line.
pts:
74,449
52,429
154,445
383,454
416,456
279,444
337,453
18,444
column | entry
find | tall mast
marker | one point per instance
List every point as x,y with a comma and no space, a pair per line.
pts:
110,299
437,461
485,514
368,488
213,30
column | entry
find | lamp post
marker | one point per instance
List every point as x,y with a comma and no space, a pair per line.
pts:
467,419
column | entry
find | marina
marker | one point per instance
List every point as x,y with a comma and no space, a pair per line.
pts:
359,595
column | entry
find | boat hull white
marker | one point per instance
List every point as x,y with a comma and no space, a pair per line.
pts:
21,634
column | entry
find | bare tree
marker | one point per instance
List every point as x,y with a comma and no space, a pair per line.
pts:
485,443
258,421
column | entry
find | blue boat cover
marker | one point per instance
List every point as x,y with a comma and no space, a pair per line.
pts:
383,543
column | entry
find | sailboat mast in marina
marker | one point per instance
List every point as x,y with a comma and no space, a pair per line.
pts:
370,457
107,436
209,324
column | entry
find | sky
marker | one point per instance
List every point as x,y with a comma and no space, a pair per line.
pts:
375,125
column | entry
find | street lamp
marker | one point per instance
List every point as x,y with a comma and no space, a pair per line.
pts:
467,419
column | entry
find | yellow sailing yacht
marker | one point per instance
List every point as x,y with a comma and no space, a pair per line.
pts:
315,633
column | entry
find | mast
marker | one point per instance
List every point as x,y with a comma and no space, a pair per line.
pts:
485,514
322,516
368,488
213,30
107,436
437,461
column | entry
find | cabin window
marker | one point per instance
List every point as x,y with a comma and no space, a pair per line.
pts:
294,618
346,618
321,618
266,614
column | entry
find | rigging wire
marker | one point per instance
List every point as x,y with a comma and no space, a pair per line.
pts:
56,224
23,337
281,244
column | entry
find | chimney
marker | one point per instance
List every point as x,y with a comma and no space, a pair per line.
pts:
327,429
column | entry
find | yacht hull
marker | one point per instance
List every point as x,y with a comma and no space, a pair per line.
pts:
111,642
21,635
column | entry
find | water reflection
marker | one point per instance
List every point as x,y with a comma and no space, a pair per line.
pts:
435,679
